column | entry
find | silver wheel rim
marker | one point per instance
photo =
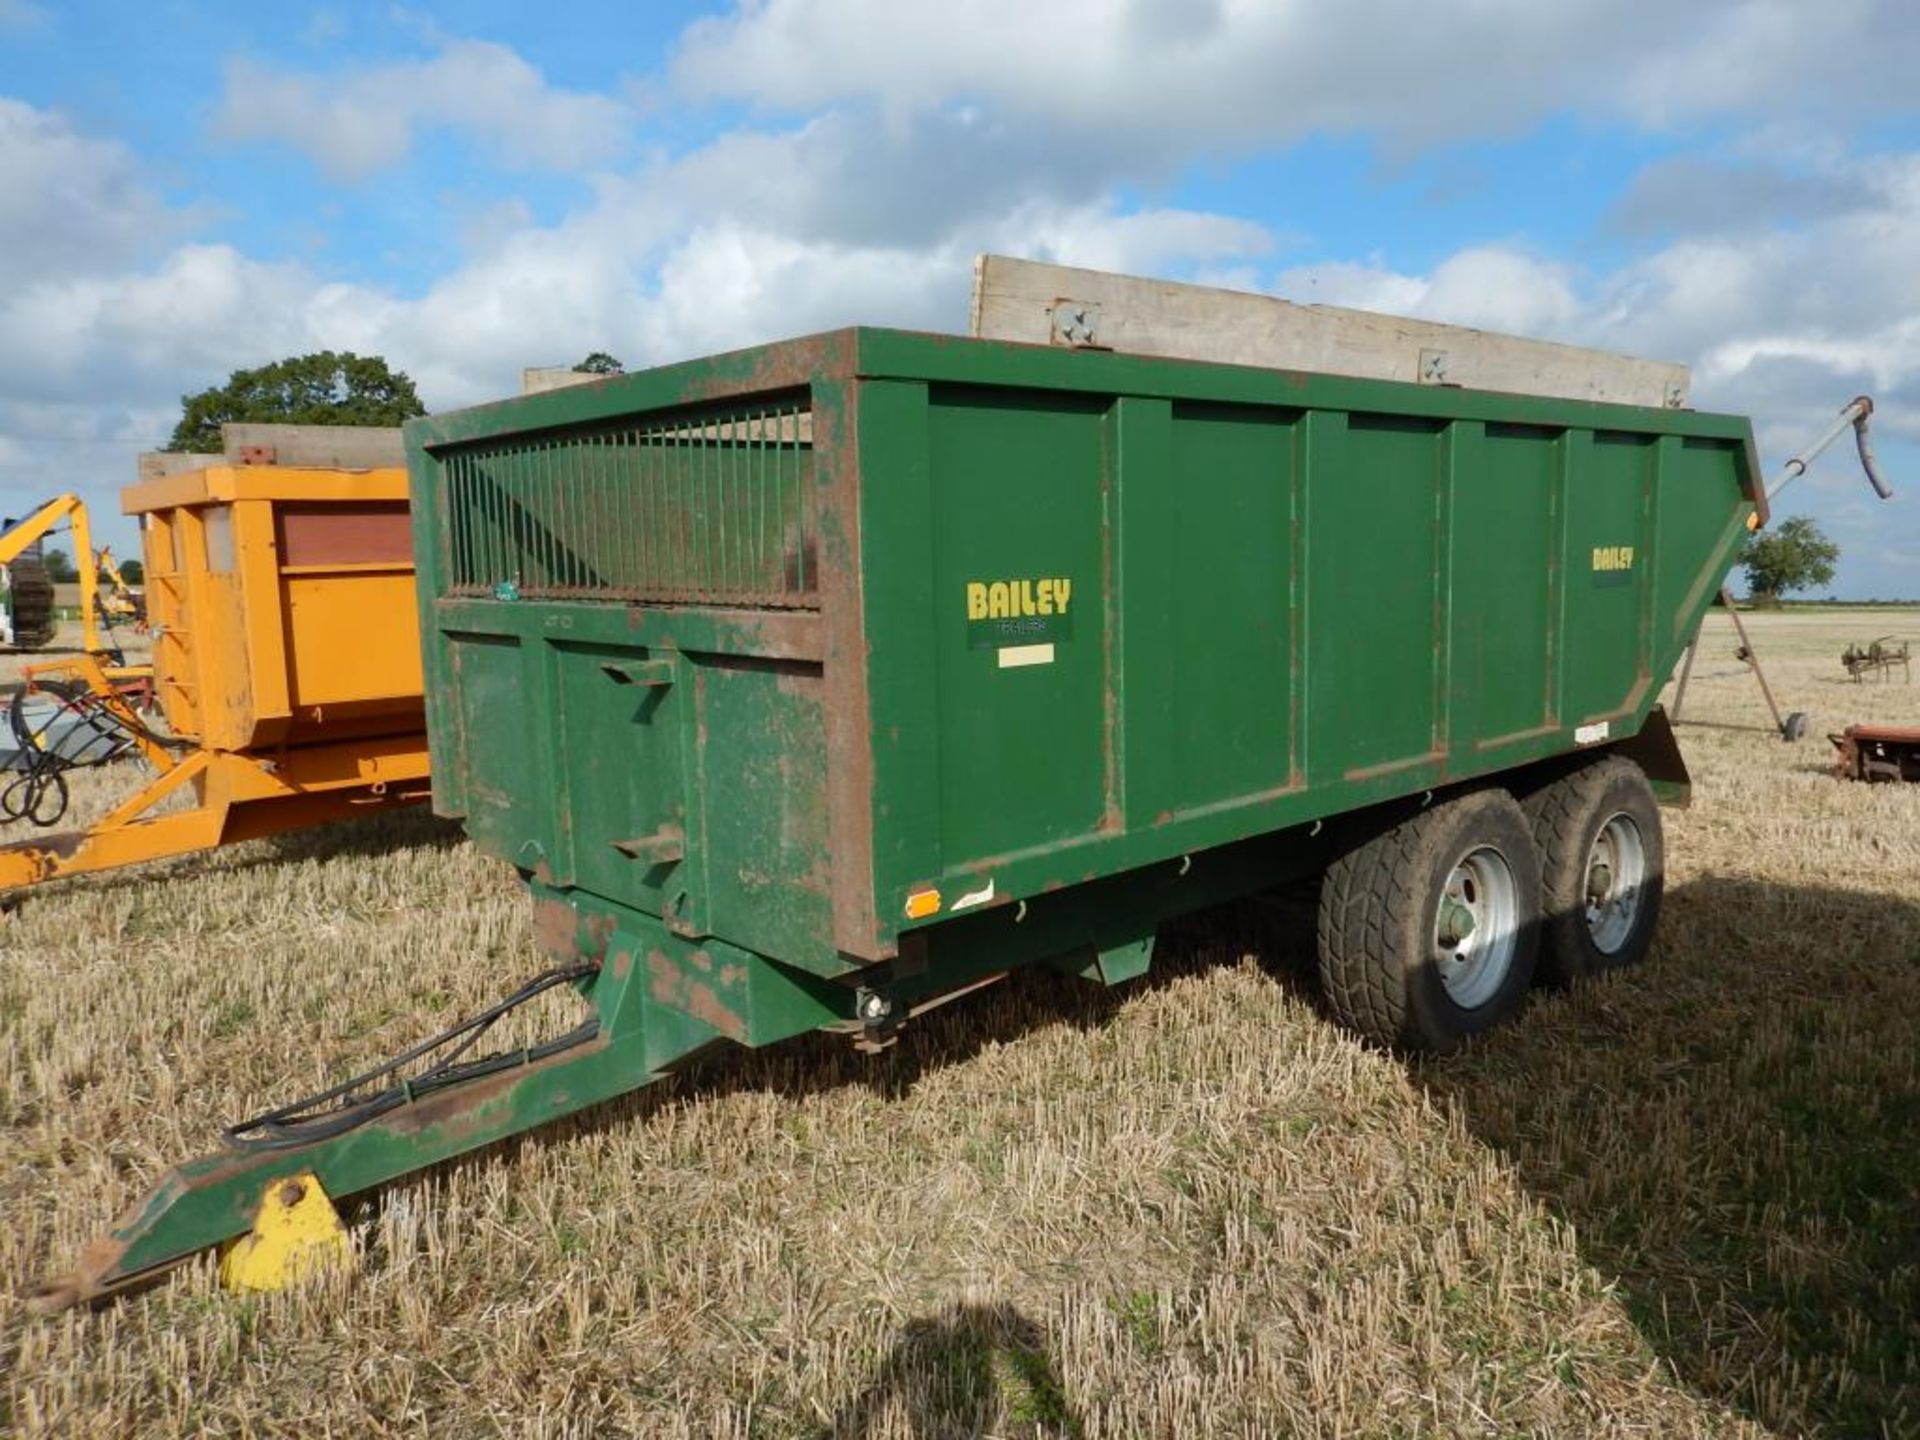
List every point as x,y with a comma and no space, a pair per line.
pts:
1476,927
1615,880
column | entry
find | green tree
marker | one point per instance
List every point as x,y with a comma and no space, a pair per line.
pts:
59,567
1793,555
600,363
326,388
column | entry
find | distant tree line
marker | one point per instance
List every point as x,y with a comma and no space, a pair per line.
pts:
62,571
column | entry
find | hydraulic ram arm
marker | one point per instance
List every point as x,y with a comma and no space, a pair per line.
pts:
1853,417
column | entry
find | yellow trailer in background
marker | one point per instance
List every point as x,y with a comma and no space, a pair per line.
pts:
286,659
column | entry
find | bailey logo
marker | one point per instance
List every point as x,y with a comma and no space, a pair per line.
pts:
1022,611
1006,599
1612,557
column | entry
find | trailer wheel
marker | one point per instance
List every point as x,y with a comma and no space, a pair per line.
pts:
1602,867
1427,933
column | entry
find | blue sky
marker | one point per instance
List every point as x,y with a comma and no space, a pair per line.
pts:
190,188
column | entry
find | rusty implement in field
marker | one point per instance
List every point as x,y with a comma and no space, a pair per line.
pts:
1879,658
1877,753
286,665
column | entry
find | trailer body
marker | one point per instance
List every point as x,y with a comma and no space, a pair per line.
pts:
880,649
282,603
286,665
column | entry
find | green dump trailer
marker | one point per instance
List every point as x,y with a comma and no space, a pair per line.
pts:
813,685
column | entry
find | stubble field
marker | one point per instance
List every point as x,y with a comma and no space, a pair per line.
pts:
1680,1201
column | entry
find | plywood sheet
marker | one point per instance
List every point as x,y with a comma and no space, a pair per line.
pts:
1042,304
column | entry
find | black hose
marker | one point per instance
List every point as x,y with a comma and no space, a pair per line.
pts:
39,792
41,774
337,1110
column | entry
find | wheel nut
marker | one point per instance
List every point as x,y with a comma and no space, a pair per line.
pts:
1456,921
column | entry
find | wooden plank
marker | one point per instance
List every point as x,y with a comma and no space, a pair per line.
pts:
158,464
320,447
536,379
1041,304
325,447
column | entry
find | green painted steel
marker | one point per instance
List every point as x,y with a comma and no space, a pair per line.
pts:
814,683
1067,614
1247,600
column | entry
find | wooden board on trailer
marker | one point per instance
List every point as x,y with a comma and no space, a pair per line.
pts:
1042,304
312,447
538,379
317,447
158,464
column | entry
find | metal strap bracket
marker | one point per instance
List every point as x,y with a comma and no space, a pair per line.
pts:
663,847
640,672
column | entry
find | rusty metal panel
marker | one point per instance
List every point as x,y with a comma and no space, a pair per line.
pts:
703,507
1877,753
365,533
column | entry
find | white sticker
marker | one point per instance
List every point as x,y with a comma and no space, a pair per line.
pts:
1592,734
1014,656
972,898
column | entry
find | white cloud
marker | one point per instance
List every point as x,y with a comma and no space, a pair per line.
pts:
1491,287
362,121
1785,323
69,204
681,256
1163,77
1090,92
135,330
1700,195
1140,242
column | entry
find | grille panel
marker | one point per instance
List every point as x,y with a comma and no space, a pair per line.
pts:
708,508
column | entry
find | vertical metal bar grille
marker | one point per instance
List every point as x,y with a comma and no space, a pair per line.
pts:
705,508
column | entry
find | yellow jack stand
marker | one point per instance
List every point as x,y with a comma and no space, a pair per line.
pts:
296,1233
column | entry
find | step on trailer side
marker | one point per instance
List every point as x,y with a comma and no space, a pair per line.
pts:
813,685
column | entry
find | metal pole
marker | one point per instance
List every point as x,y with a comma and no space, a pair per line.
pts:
1686,674
1753,659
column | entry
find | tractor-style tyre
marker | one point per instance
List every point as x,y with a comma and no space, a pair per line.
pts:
1602,869
1427,933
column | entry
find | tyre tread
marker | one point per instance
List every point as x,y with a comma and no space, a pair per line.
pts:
1369,900
1560,813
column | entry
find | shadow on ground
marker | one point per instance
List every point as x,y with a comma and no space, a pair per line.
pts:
1733,1131
967,1370
404,828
